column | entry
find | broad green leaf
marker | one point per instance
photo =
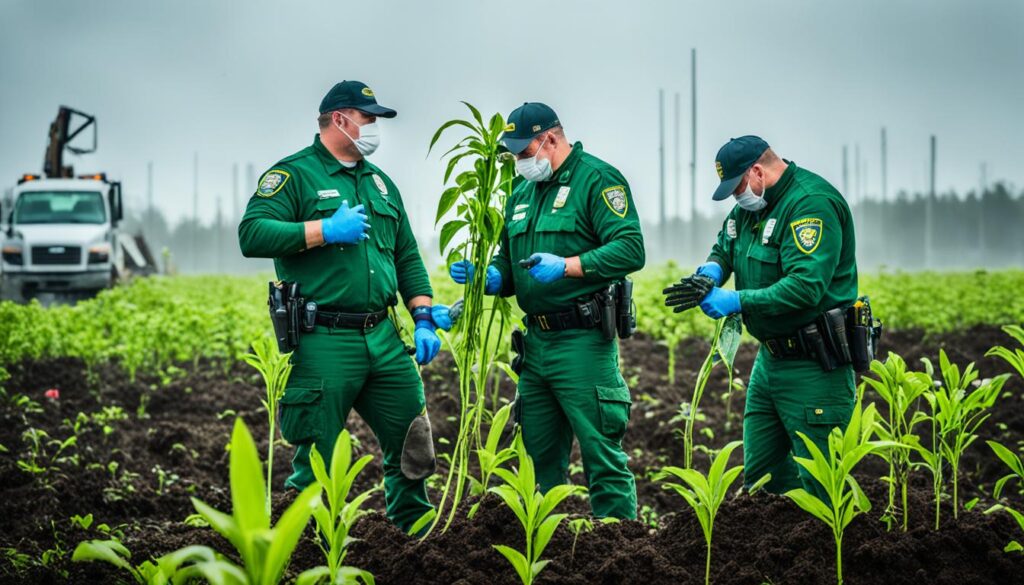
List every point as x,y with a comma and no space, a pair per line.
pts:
248,497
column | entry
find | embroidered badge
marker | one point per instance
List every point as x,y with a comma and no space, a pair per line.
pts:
518,216
730,228
563,194
807,234
272,182
719,170
367,92
328,194
380,184
615,199
522,206
769,229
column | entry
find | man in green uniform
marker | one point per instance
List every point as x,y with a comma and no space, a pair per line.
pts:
335,223
790,243
573,222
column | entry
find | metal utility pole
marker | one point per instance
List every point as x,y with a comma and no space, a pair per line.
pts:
885,167
234,192
661,167
983,188
693,154
846,175
929,212
677,159
195,210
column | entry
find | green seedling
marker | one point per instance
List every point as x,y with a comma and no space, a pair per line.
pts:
705,493
577,526
490,456
1013,357
275,368
723,349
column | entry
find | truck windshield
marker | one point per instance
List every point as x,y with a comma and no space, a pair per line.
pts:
60,207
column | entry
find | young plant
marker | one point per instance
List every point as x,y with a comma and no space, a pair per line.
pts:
723,349
705,493
336,519
275,368
534,511
265,550
1016,465
1015,357
478,198
577,526
900,390
158,572
490,457
957,414
844,499
45,455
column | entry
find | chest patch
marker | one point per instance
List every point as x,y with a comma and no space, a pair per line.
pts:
518,216
563,194
807,234
769,229
730,228
615,199
379,182
328,194
272,182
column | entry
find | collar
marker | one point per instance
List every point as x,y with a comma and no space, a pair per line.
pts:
331,164
775,193
564,173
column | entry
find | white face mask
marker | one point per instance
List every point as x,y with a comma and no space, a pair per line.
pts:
534,169
750,201
369,137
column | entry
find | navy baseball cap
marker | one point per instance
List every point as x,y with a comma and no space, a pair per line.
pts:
733,160
355,95
525,123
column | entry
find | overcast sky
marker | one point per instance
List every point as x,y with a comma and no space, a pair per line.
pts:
240,82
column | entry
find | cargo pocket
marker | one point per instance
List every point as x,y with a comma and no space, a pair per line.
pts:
763,262
301,414
823,418
614,404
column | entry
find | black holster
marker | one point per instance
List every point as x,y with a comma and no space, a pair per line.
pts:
287,308
519,348
625,310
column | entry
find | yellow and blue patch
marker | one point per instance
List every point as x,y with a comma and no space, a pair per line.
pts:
272,182
807,234
616,200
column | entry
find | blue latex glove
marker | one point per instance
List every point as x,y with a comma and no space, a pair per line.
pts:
346,226
548,268
463,270
712,270
720,303
427,342
441,316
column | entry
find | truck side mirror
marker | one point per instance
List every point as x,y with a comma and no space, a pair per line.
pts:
116,208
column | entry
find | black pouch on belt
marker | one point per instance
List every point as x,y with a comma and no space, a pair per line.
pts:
832,325
814,344
625,313
605,301
864,332
285,305
519,348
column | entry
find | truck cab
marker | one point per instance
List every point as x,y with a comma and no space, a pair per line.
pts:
61,237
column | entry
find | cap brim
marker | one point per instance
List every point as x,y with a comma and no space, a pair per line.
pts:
516,145
377,110
726,187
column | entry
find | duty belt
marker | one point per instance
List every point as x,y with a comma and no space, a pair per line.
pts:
563,320
787,348
338,320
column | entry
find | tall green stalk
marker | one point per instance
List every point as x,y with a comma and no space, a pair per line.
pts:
478,197
275,367
723,349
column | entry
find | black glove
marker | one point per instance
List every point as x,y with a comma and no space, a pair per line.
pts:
688,292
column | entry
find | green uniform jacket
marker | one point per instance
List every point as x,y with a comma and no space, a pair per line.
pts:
310,185
794,259
585,209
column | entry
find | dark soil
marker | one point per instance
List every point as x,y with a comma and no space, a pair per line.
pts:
758,539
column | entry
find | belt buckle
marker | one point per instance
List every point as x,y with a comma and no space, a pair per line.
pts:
370,321
542,320
772,345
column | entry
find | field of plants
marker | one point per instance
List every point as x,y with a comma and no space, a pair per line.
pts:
135,428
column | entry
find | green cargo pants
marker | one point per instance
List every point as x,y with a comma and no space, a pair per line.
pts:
783,397
338,369
571,385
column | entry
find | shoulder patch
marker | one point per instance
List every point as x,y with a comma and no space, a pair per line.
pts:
807,234
272,182
615,199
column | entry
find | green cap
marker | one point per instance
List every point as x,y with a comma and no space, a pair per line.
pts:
525,123
355,95
734,159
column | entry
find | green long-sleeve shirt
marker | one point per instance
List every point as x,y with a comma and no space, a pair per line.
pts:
585,209
794,259
310,185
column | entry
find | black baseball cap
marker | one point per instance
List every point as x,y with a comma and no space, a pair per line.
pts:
355,95
734,159
525,123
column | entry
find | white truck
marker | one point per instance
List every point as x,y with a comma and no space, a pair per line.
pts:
62,232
